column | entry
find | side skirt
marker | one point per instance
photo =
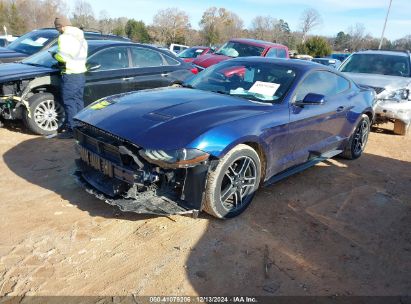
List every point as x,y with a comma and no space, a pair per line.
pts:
296,169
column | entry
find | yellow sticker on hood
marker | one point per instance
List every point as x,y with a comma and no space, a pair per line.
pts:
100,105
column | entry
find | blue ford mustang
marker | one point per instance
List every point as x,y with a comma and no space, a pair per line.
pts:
209,145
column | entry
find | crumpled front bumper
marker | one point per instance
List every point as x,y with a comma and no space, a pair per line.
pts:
117,175
149,202
394,110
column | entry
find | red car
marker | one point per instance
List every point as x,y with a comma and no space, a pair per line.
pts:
192,53
242,48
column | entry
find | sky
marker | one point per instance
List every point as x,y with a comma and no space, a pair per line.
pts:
337,15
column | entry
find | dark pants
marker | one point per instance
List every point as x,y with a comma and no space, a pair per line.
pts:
72,89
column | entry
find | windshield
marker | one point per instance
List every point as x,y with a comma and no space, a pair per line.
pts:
190,53
377,64
32,42
259,81
43,58
237,49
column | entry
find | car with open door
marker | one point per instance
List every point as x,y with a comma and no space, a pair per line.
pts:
29,90
209,145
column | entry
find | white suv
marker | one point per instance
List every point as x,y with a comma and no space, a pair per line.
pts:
389,73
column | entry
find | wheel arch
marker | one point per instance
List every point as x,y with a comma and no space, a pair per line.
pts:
370,115
261,154
255,143
44,84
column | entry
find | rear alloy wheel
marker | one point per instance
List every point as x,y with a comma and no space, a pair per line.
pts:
232,185
47,115
358,139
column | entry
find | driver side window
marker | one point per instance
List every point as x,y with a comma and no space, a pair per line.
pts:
111,59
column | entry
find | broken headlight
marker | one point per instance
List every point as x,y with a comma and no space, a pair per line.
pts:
182,158
397,95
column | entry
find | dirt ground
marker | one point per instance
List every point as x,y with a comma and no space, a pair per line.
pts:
339,228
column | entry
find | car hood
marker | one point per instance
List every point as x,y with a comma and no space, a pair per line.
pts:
209,59
167,118
7,53
385,82
17,71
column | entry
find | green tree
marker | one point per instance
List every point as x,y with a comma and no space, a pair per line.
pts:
119,30
342,41
137,31
315,46
285,28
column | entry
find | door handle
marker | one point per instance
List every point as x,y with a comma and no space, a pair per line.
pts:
340,108
127,78
164,74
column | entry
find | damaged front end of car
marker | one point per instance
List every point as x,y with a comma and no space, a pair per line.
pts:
140,180
394,104
11,99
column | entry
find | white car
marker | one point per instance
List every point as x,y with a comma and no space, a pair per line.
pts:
177,48
6,39
389,74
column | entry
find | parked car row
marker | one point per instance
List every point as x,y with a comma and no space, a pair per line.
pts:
42,39
157,138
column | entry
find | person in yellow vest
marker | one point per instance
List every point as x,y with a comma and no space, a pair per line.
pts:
71,55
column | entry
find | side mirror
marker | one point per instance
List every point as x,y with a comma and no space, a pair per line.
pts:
92,66
311,99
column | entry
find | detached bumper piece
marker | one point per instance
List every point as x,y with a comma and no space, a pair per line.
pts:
118,181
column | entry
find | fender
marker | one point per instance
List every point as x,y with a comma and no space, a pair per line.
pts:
22,100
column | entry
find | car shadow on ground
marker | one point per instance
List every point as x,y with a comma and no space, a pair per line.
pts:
51,166
15,126
341,227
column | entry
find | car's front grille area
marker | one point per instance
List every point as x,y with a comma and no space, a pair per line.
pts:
105,166
98,144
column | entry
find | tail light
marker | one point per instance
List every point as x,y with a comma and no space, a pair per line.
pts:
194,70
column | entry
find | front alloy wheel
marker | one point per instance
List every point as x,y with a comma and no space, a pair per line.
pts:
232,185
238,182
46,115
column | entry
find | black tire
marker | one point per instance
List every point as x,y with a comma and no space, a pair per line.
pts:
46,115
358,139
237,175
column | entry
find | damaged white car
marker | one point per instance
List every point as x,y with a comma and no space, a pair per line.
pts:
389,73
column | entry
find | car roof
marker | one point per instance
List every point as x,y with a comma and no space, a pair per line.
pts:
257,42
386,52
87,34
95,45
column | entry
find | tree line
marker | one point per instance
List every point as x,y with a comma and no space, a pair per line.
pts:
172,25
